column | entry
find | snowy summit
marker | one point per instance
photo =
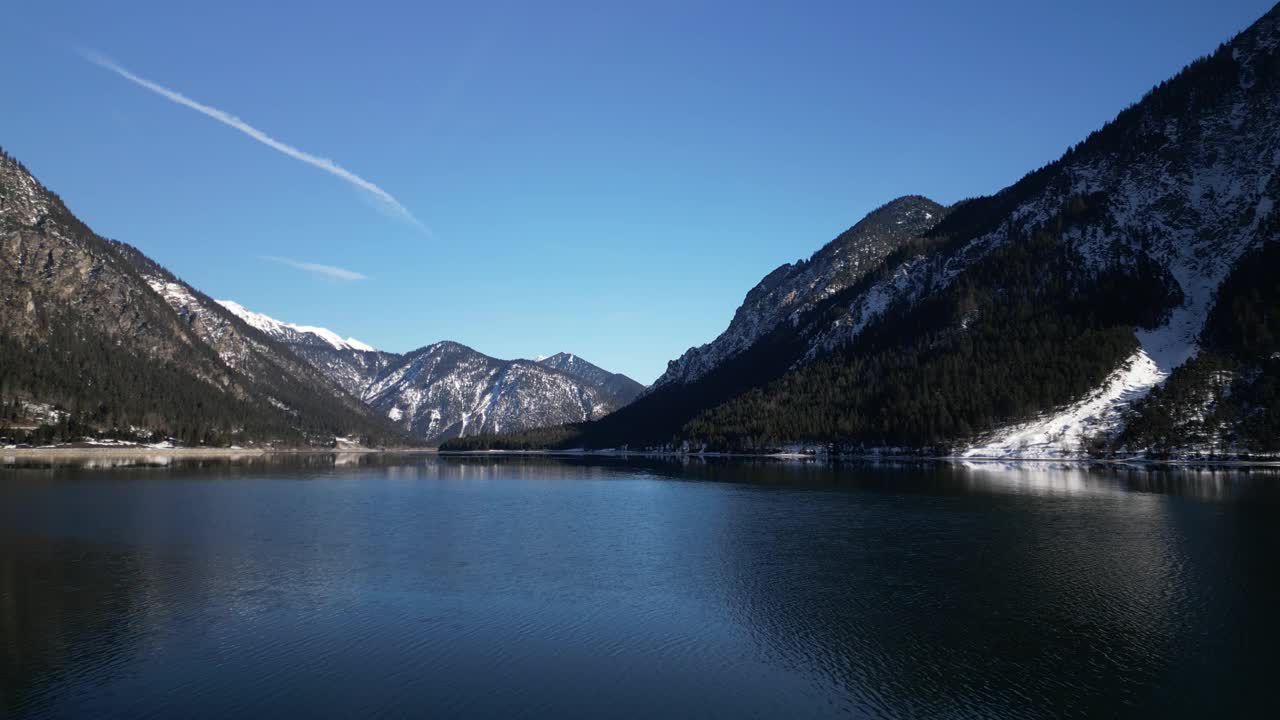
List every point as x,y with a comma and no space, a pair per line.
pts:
277,328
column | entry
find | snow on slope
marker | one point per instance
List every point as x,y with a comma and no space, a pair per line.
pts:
1194,207
1198,265
173,293
449,390
211,329
277,329
1065,434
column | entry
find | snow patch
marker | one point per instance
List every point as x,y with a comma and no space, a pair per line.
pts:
1065,434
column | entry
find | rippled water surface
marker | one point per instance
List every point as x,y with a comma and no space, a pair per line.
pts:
416,585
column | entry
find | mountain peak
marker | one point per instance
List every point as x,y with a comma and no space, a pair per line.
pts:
559,358
572,364
909,203
447,346
795,288
621,387
914,214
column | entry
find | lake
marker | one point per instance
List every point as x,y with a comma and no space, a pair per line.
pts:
411,586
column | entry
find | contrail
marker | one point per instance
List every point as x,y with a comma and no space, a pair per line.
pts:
332,271
324,164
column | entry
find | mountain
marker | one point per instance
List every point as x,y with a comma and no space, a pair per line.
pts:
448,390
766,336
1121,299
620,388
1036,322
98,339
792,290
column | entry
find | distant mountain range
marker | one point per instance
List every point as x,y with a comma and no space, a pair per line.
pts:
1121,300
447,390
98,340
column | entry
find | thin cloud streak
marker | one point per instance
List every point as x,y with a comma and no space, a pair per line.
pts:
331,271
325,164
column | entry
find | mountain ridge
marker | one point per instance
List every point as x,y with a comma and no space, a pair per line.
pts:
270,325
792,289
1032,322
1173,192
447,389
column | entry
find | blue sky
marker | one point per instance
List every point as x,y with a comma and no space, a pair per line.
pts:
604,178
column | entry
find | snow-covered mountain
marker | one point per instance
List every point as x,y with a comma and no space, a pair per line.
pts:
1187,181
1174,192
447,390
1035,322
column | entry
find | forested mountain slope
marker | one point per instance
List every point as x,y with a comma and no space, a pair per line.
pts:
1033,322
95,338
1065,298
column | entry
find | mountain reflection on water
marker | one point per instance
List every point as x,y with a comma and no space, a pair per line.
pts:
365,584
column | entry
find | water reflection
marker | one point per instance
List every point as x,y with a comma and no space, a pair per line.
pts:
952,606
364,584
1209,483
923,476
57,610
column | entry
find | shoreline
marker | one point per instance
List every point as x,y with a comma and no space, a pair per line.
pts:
1138,463
196,453
202,453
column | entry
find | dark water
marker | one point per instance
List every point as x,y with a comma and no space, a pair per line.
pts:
419,586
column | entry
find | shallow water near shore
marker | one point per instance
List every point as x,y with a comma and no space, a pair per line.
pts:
363,585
